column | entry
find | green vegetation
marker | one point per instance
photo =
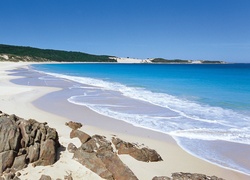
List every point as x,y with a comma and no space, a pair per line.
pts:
212,62
30,54
161,60
21,53
180,61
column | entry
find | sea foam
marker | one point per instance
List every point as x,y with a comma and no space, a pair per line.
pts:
192,120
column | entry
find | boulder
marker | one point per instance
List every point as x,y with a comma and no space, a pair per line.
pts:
114,164
97,154
92,162
143,154
73,125
9,134
26,141
45,177
71,148
81,135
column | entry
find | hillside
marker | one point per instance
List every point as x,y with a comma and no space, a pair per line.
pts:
21,53
30,54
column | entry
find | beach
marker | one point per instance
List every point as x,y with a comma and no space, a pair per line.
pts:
45,103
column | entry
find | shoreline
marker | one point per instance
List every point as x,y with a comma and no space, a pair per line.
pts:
34,94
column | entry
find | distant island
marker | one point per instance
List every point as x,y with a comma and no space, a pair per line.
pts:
31,54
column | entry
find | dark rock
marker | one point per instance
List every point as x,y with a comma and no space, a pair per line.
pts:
161,178
81,135
45,177
73,125
71,148
144,154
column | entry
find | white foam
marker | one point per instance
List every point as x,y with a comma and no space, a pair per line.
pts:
199,116
231,135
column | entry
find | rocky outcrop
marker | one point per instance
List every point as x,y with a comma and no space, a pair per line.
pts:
143,154
187,176
26,141
96,153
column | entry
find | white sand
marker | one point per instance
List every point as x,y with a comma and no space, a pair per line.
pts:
15,99
131,60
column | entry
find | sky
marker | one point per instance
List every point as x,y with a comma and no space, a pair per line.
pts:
171,29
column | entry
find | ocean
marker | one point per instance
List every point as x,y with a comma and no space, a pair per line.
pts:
199,105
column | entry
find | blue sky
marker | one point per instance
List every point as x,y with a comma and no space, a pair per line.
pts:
185,29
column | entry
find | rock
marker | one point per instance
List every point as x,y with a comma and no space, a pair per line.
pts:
73,125
92,162
20,162
45,177
33,153
13,117
47,153
9,135
71,148
144,154
16,178
190,176
52,134
68,177
97,154
81,135
10,176
90,146
6,159
26,141
25,137
161,178
116,166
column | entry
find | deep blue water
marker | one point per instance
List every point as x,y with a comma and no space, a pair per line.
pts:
198,102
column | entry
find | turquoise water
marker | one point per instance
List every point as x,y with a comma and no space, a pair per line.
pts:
192,103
